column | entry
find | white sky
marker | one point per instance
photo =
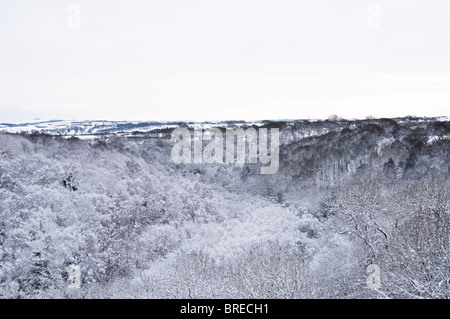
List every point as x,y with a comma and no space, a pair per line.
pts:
228,59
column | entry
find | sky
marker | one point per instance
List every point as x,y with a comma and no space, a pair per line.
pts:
223,60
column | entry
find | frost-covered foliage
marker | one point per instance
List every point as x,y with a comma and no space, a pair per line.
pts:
348,194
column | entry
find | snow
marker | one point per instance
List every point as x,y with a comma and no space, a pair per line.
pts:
138,225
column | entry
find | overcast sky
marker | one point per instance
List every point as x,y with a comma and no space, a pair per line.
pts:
228,59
